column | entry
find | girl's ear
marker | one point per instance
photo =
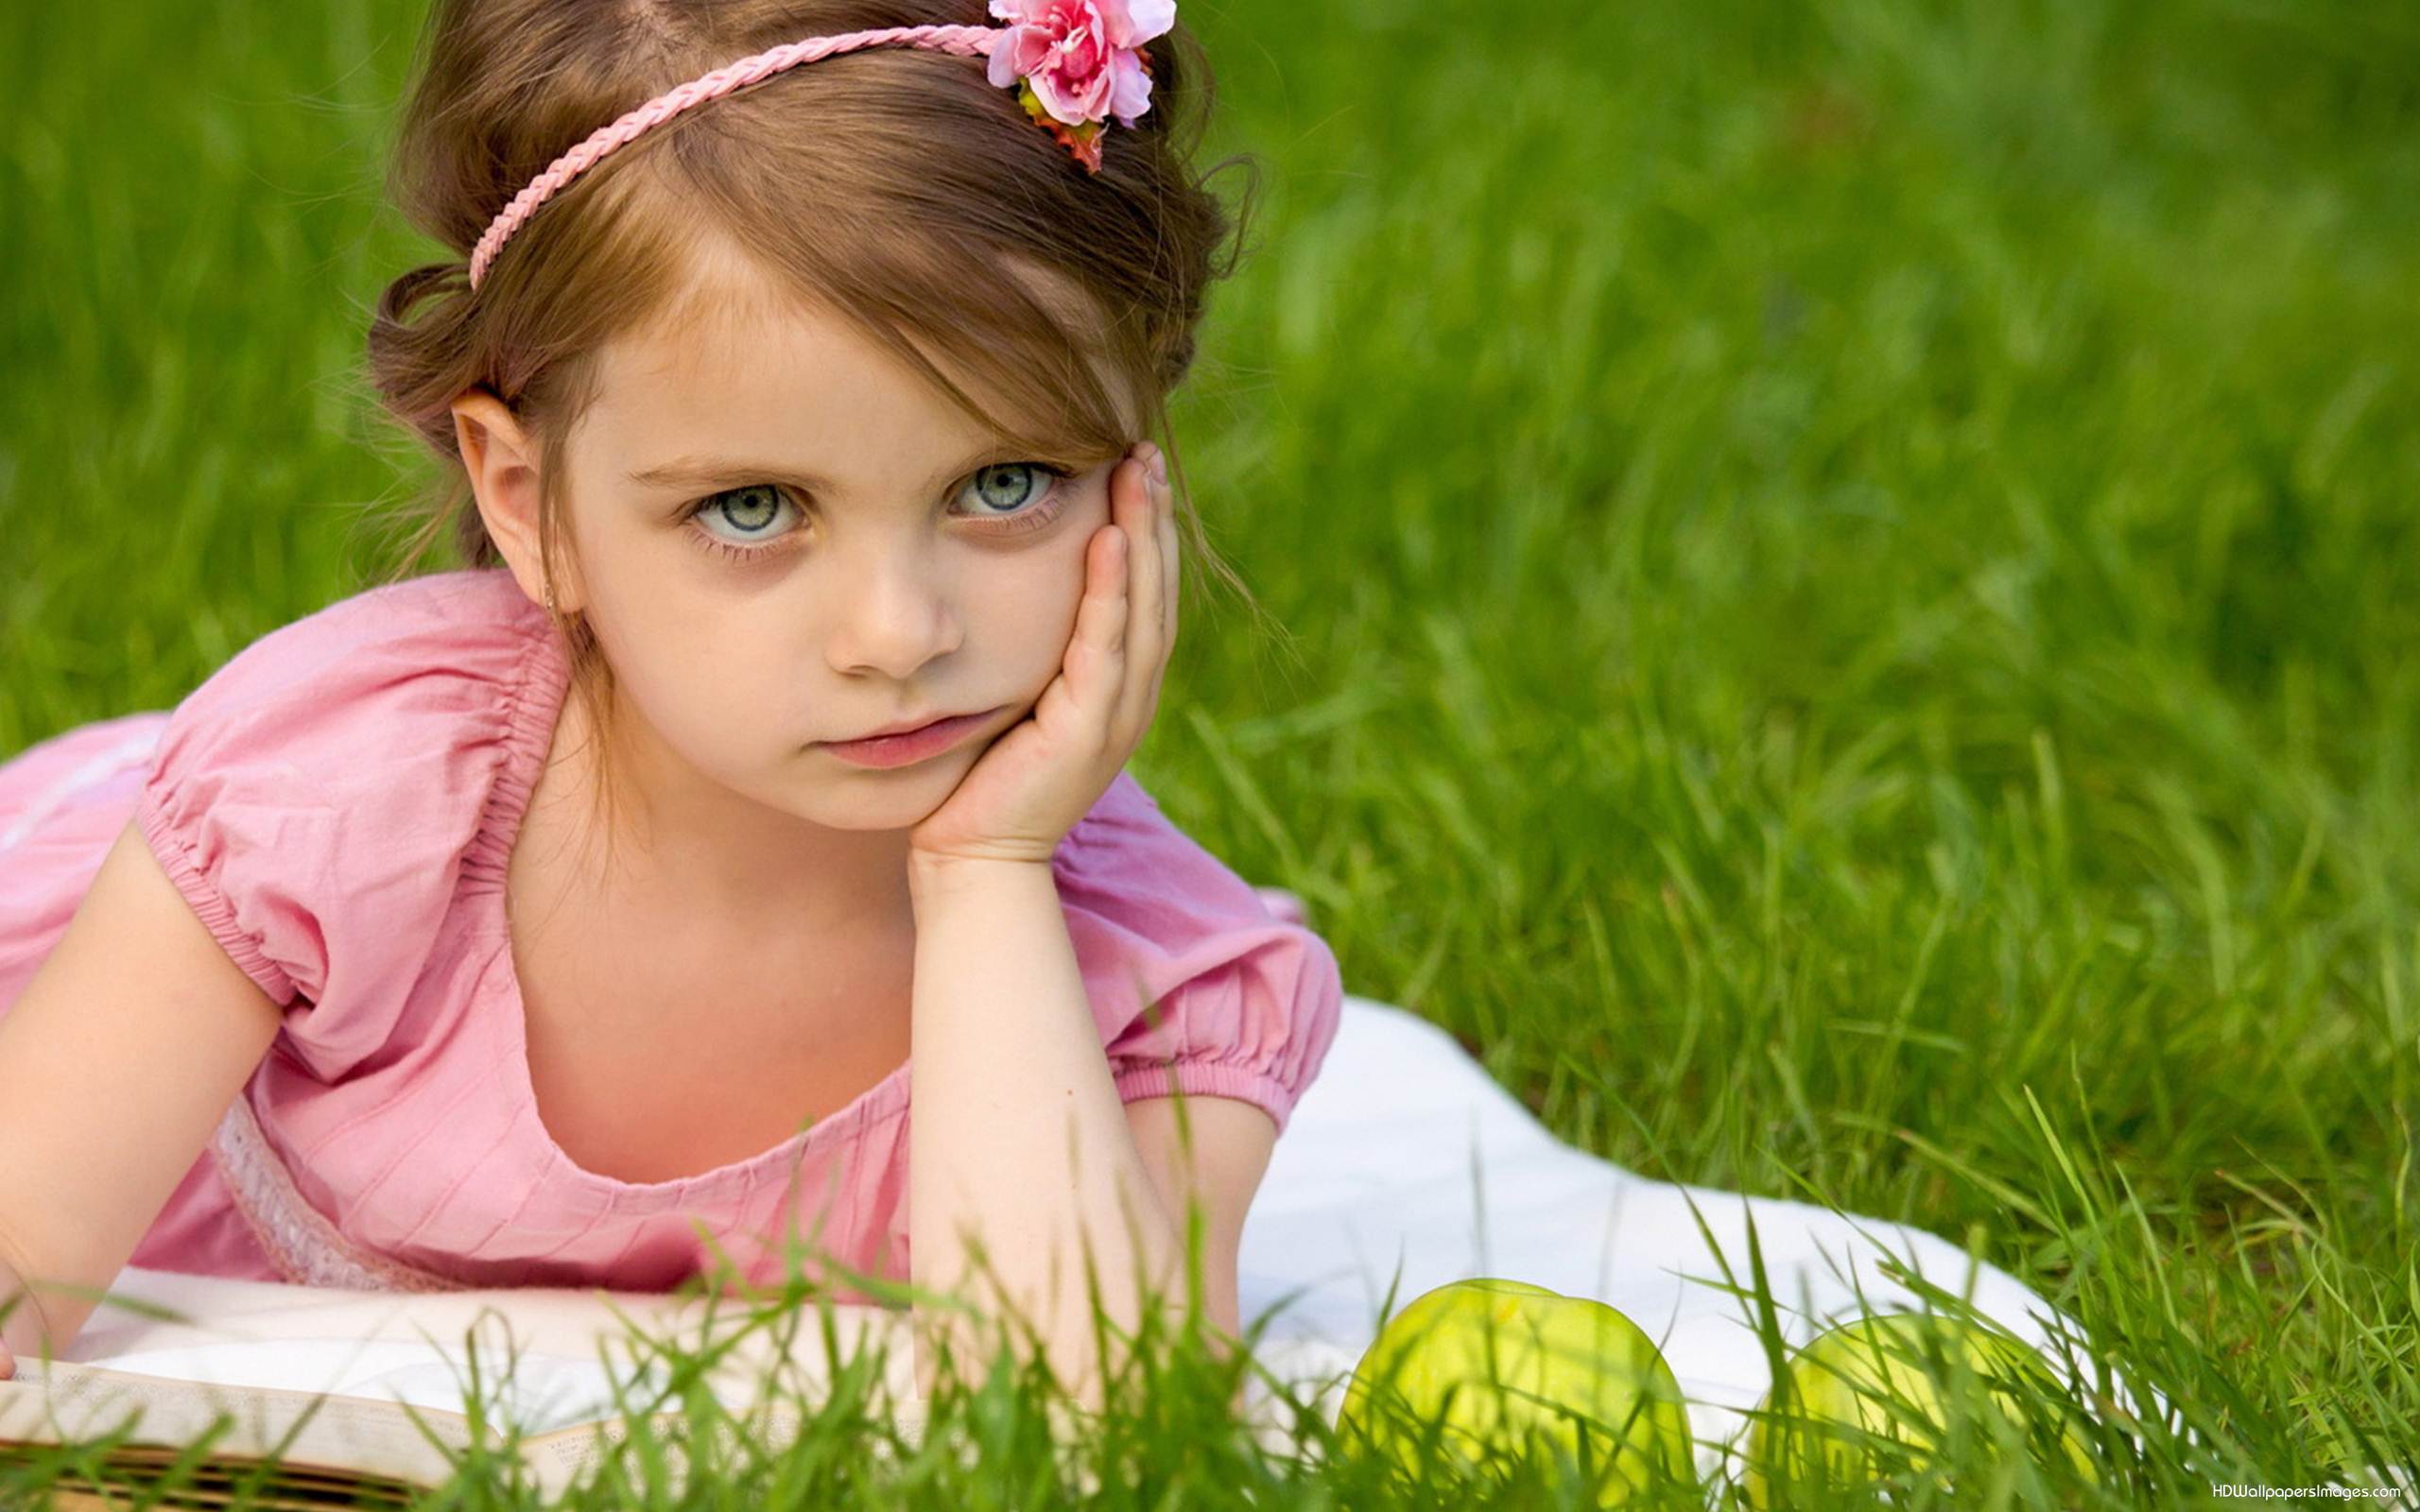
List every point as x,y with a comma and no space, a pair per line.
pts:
501,460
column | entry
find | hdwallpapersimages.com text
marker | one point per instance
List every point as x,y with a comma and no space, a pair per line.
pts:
2266,1493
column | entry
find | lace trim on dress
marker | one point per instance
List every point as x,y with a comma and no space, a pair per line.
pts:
306,1249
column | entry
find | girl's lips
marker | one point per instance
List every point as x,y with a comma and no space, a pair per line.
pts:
913,746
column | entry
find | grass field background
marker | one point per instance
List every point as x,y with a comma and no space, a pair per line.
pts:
1852,566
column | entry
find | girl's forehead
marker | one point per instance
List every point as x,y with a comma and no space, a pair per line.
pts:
734,339
710,346
787,388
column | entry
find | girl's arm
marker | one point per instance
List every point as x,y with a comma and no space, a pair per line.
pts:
117,1061
1017,1132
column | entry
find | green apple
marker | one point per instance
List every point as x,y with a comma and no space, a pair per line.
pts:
1872,1377
1561,1367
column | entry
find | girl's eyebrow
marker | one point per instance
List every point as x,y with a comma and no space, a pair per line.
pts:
703,472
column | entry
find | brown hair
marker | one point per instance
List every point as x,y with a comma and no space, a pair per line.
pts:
925,186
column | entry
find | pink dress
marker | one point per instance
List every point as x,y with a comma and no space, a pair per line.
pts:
337,804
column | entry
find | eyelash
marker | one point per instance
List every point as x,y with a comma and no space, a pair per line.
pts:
1032,518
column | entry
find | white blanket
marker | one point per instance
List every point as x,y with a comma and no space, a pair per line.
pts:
1405,1163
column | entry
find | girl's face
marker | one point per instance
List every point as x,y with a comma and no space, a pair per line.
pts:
784,537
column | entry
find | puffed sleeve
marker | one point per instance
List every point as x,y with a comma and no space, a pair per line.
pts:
1197,986
312,799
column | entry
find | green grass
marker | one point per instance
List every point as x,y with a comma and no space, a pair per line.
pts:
1853,572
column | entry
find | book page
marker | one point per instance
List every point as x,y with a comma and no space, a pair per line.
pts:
76,1403
547,1361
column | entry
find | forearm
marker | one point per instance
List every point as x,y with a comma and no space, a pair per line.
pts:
26,1330
1017,1133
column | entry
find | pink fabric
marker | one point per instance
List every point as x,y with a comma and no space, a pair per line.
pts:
338,802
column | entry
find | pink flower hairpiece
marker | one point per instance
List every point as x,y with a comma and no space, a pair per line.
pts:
1075,64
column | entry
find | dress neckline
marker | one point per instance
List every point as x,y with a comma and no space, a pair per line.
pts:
533,706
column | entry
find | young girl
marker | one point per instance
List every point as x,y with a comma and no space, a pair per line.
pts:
564,919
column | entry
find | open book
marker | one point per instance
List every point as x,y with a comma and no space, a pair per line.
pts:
363,1397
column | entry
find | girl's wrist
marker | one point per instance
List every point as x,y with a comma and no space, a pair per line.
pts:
937,874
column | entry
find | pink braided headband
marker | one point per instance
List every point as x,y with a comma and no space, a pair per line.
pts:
1075,64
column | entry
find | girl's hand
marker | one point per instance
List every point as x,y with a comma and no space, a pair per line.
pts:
8,1363
1045,773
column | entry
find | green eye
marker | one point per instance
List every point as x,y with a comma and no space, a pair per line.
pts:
751,508
1005,488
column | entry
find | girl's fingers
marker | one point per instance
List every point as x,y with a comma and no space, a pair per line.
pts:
1092,669
1148,647
1164,540
1167,534
1108,603
1150,602
1127,619
1151,578
1169,577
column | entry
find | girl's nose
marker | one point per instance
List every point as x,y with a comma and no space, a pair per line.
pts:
895,617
